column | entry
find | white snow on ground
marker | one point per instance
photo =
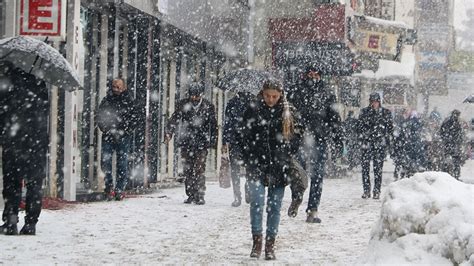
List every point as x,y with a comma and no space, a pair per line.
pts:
427,219
159,228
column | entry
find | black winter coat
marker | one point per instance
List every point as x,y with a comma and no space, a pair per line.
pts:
117,115
198,125
234,113
412,142
376,127
313,101
24,113
452,136
266,153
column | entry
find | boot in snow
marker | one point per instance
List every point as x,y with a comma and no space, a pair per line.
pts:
28,229
376,196
313,217
257,246
189,200
236,203
199,200
270,248
293,209
10,227
366,195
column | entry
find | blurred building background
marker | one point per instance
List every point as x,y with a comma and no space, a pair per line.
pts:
160,46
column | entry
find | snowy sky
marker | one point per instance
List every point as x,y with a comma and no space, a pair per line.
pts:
460,7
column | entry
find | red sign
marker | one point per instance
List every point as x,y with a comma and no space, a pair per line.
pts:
42,18
374,41
326,25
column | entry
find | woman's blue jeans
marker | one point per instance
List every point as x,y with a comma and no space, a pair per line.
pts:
257,203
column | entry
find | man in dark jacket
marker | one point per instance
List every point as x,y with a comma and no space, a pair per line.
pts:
116,119
198,132
313,100
24,138
452,138
234,112
376,130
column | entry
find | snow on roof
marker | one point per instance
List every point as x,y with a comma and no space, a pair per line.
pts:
426,219
384,22
405,68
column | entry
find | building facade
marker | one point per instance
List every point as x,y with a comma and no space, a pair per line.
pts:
158,54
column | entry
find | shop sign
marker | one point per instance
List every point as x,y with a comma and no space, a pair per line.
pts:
376,42
43,18
331,58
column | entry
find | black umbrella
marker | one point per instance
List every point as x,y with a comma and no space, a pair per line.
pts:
249,80
469,99
38,58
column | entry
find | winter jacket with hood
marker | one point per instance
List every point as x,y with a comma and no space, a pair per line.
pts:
117,115
266,153
197,124
313,101
376,126
453,136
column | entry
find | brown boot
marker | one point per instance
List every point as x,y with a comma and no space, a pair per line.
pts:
270,248
257,246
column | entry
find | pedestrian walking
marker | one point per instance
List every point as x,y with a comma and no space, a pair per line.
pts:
376,130
413,147
116,119
453,137
398,143
322,123
234,113
271,137
197,133
351,141
24,141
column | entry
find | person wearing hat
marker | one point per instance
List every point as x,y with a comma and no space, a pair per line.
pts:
376,130
197,133
453,137
314,102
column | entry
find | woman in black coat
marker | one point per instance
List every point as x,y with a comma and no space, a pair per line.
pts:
271,137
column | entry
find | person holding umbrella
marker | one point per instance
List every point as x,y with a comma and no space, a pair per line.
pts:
24,138
271,136
234,112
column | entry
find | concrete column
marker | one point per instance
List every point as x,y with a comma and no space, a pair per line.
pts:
71,174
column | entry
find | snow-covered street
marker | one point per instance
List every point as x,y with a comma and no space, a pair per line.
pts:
159,228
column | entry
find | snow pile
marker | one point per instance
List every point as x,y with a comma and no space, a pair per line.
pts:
426,219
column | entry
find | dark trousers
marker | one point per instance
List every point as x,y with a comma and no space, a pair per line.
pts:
376,154
194,167
23,165
121,147
236,163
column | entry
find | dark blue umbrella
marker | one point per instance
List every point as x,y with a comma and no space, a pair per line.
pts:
248,80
